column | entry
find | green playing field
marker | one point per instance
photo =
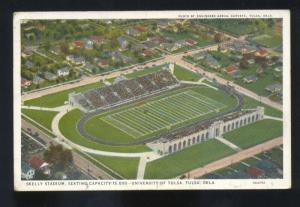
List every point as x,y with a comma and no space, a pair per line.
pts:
163,113
159,114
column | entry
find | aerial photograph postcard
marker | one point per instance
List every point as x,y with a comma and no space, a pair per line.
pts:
152,100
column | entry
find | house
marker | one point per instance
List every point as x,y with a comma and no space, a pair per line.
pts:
115,55
103,63
147,53
84,26
49,76
37,79
246,49
25,82
251,61
237,74
270,63
138,47
122,42
55,50
97,39
107,21
27,171
199,55
39,164
180,43
278,69
230,69
262,53
78,43
169,46
63,71
88,44
30,35
132,32
255,172
126,59
29,64
212,62
140,29
77,60
26,52
154,41
223,48
190,42
274,88
90,67
162,23
250,79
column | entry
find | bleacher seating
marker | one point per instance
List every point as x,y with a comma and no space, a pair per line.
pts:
126,89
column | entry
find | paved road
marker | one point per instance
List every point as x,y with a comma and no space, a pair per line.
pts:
177,58
237,157
240,89
94,79
81,162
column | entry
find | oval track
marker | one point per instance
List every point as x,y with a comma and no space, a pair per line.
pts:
227,89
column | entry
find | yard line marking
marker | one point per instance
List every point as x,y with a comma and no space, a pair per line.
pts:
120,128
133,124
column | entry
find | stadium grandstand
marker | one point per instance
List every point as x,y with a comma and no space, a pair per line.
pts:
124,91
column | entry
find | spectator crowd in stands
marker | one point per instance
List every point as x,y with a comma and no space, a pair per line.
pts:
125,89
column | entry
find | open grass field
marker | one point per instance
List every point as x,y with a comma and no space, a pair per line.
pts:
251,103
124,166
185,75
185,160
42,117
144,71
159,114
267,78
67,126
255,133
58,99
270,40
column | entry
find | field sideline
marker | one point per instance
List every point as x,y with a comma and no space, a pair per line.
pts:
141,120
163,113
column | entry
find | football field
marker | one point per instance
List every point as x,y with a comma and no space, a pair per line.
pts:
163,113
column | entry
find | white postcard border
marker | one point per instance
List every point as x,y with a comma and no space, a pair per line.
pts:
81,185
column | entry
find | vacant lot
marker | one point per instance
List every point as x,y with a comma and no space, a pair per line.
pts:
185,75
58,99
124,166
190,158
42,117
255,133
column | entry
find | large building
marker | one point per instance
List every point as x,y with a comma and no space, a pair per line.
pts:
204,131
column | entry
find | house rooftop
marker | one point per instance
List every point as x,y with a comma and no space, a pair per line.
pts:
36,162
254,171
231,68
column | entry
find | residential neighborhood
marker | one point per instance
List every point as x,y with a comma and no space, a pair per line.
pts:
152,99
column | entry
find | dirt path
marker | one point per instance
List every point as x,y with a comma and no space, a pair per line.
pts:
234,158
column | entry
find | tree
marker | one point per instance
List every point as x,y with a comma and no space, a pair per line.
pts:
64,48
56,154
244,63
47,45
218,37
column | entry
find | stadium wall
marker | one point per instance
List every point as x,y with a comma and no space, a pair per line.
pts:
216,129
